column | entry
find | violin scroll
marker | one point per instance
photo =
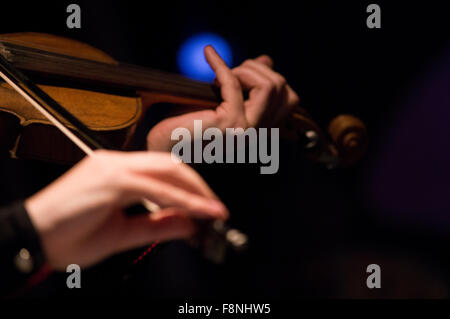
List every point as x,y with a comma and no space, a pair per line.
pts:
343,146
349,135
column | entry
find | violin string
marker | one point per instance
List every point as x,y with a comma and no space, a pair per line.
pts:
135,77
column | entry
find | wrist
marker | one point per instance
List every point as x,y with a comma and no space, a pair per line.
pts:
36,212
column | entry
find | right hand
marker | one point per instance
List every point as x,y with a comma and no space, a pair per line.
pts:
80,216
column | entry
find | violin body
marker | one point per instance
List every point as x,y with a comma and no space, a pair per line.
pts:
26,133
114,114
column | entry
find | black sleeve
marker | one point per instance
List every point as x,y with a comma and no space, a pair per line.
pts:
21,254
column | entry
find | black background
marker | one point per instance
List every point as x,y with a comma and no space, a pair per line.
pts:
313,232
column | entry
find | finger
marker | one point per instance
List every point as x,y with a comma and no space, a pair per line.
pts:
183,176
260,90
284,98
168,224
291,101
230,87
134,187
278,80
159,165
250,78
209,118
293,98
266,60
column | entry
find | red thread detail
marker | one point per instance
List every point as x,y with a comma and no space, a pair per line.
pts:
40,275
146,252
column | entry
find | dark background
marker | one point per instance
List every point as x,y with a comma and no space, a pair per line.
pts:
313,231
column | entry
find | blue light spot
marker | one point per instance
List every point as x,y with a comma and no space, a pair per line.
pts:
191,59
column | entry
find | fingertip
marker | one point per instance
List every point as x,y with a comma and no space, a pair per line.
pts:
209,49
265,59
218,208
210,208
212,56
209,53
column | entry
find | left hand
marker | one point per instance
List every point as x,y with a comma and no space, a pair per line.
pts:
270,101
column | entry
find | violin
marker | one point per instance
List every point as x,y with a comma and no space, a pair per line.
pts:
111,98
99,99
